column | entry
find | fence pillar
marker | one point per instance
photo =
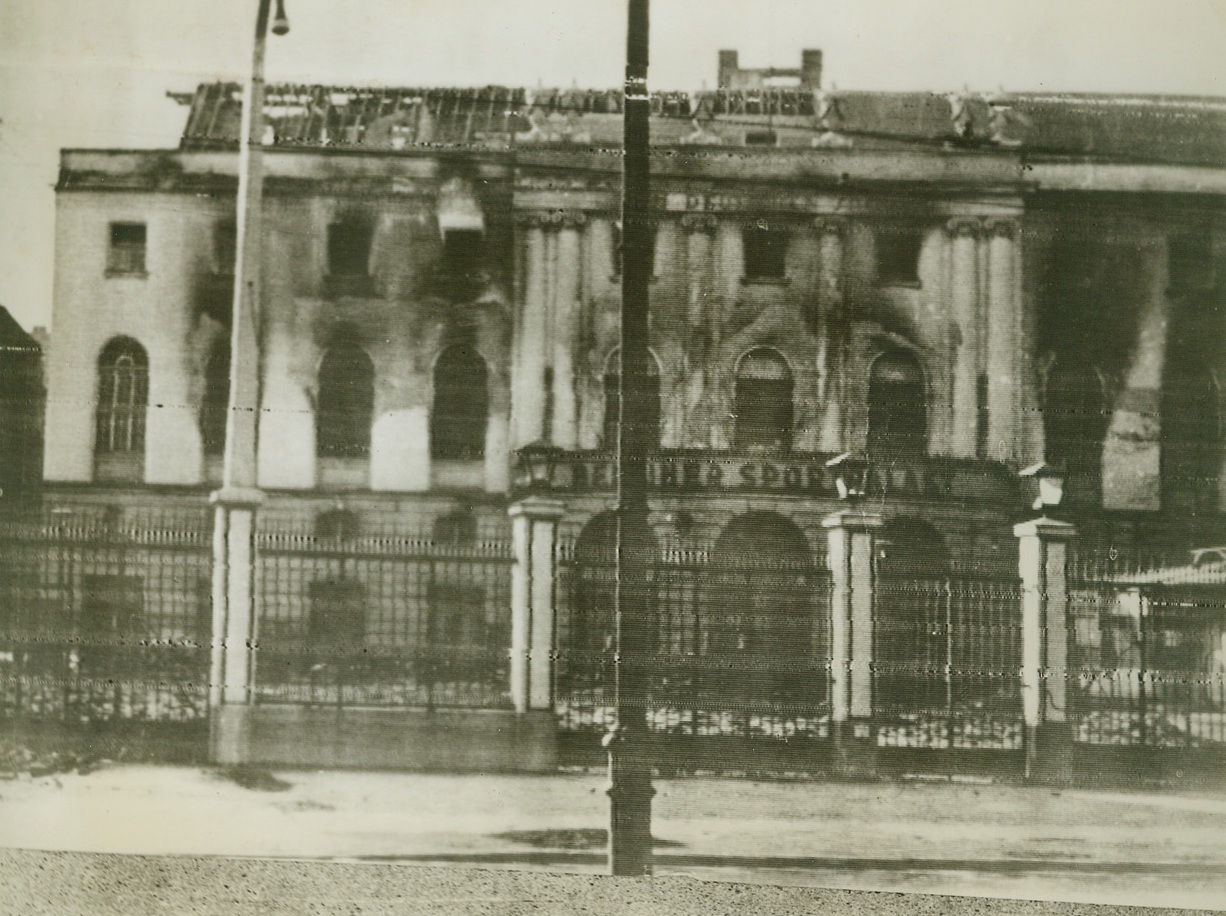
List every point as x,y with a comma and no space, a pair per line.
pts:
232,659
852,536
534,525
1043,562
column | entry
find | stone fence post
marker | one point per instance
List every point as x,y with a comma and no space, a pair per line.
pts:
1043,564
534,526
852,543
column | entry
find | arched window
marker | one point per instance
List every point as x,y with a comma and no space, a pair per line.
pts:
346,400
123,395
897,408
763,401
760,626
1075,419
216,398
461,404
612,401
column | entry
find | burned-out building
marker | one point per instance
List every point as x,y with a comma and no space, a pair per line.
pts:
955,285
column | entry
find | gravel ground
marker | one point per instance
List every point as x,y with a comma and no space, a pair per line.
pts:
70,884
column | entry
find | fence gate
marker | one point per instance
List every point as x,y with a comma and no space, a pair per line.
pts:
740,661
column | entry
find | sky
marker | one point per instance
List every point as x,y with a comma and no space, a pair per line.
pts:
94,73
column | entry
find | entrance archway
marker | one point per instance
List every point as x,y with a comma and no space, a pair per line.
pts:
761,631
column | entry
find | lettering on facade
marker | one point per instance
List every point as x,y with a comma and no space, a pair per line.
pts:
799,477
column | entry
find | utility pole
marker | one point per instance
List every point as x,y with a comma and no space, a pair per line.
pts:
630,789
232,661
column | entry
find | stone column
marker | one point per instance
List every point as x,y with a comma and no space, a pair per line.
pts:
832,332
850,553
232,659
964,288
528,397
1043,562
564,333
1003,339
534,528
689,421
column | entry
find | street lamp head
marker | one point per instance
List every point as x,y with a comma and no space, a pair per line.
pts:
280,22
850,475
536,464
1050,480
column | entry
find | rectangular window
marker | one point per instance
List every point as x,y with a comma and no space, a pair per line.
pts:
617,250
761,138
766,253
349,243
898,252
981,416
463,262
349,249
127,251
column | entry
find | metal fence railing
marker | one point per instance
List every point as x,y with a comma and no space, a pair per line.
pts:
1148,664
737,651
947,663
383,621
105,618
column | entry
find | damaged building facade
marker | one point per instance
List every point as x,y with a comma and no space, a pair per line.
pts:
956,286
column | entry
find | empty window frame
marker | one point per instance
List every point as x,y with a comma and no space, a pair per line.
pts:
766,252
898,253
763,402
460,412
349,243
463,262
897,406
215,404
346,401
126,254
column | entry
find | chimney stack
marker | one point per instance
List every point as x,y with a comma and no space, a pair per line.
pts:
811,68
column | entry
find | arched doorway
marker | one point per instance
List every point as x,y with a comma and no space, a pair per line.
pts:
587,631
763,638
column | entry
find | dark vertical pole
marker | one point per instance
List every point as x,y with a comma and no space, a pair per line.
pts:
630,788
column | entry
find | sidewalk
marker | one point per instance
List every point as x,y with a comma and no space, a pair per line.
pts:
1154,848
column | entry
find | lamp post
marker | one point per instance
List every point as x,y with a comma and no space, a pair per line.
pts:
235,504
850,475
630,789
1050,479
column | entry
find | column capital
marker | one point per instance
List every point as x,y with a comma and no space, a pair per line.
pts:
854,520
237,497
1003,227
534,508
1047,529
831,225
964,227
699,222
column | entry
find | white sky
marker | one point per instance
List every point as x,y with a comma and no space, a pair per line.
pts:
93,73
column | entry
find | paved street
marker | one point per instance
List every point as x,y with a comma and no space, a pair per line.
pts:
1159,849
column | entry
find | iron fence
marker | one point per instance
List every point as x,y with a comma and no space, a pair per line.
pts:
1148,663
737,651
947,663
105,617
382,621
